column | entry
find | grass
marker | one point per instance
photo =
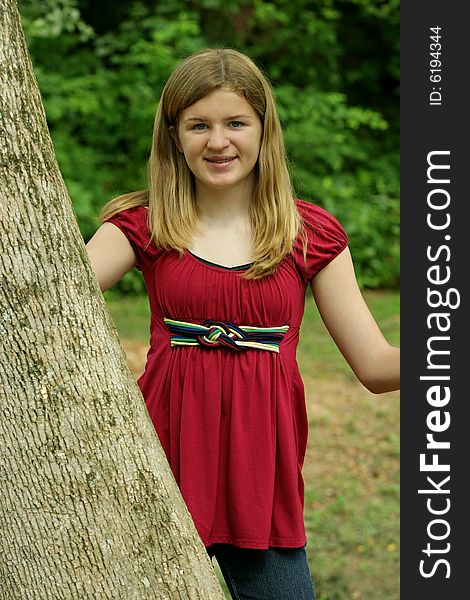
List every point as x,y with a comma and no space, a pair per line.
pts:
131,316
351,469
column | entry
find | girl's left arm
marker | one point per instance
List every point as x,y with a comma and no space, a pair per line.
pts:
374,361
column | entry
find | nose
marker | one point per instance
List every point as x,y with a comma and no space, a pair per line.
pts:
217,138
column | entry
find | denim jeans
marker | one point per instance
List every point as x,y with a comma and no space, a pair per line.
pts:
273,574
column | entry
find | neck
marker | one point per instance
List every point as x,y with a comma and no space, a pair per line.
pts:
224,205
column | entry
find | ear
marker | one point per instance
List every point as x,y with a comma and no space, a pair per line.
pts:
175,138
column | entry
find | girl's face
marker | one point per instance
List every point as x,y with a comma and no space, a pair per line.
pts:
220,137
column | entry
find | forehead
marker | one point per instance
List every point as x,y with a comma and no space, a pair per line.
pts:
218,104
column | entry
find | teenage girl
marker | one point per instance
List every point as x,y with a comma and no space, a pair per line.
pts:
227,254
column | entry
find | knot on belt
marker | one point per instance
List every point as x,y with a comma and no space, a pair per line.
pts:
224,333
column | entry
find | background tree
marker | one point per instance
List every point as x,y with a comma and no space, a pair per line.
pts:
88,505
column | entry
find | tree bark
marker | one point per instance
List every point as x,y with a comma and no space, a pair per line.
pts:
88,504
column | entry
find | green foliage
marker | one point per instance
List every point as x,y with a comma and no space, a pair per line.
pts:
336,161
334,65
51,18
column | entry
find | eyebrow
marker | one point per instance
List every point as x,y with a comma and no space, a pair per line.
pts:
230,118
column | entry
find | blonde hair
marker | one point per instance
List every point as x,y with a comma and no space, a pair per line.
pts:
170,196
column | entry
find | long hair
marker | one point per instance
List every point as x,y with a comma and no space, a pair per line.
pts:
170,196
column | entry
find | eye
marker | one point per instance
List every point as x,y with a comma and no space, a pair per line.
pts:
199,126
236,124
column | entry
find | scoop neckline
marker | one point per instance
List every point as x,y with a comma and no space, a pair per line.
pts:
208,263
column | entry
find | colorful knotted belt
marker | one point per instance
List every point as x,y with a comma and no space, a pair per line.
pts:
222,333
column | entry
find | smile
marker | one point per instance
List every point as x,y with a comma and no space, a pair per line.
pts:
222,161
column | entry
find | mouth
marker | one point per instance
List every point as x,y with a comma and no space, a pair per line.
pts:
220,160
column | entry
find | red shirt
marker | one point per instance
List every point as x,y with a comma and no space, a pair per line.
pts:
233,424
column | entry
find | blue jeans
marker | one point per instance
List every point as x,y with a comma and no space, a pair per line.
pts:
273,574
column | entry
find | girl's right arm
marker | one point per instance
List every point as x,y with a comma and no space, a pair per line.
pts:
110,254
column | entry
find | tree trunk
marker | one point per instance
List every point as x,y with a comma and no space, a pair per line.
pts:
89,508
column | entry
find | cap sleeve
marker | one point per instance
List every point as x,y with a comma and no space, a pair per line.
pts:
326,239
134,225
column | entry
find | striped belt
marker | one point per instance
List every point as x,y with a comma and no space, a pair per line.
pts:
223,333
